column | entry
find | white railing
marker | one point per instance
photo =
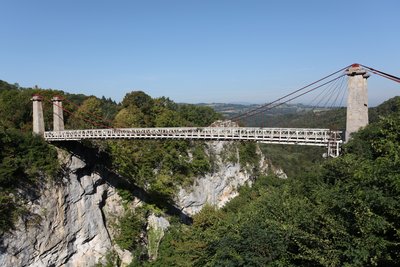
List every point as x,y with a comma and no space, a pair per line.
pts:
298,136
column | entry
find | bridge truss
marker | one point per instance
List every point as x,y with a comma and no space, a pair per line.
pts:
295,136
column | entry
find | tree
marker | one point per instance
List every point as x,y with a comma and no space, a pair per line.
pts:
130,117
88,115
139,99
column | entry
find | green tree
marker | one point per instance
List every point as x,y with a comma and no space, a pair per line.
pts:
139,99
89,111
130,226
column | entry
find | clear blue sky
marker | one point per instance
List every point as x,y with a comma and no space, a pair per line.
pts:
196,51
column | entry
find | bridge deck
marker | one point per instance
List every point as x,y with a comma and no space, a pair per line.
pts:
299,136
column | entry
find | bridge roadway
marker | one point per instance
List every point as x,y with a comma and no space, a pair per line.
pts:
296,136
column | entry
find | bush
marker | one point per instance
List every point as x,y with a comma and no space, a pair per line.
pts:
130,227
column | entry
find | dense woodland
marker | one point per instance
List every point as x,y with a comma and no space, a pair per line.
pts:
28,159
334,212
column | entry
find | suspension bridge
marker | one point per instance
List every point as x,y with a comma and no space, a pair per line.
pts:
357,117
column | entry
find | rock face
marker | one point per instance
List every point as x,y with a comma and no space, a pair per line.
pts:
156,227
222,185
224,123
70,227
70,221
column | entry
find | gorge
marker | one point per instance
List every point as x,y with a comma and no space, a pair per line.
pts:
181,203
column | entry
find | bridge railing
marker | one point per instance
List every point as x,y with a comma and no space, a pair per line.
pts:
299,136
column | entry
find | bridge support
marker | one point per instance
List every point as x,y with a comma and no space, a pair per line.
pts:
37,113
357,100
58,116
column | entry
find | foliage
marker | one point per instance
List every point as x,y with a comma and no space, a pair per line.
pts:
198,115
24,159
8,210
294,159
89,110
332,119
154,235
159,166
248,154
139,99
111,260
344,213
130,226
385,109
200,163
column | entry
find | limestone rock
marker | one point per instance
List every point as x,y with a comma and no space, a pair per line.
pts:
66,227
224,123
156,227
280,173
222,185
215,189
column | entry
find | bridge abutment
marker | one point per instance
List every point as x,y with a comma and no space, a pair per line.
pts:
58,116
357,100
37,114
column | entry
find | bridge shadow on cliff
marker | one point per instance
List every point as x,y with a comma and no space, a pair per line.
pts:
100,162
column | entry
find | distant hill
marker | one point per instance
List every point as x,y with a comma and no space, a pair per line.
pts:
333,119
229,110
299,115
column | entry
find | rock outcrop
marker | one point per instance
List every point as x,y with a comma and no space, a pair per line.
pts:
220,186
156,227
67,225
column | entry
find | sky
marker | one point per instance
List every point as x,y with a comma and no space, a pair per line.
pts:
196,51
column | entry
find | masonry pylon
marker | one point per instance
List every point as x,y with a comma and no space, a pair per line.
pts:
357,99
37,113
58,116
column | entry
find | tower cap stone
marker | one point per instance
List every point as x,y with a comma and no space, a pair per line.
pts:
36,97
56,98
356,69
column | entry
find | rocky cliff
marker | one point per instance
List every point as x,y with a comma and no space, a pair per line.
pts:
71,219
221,185
67,225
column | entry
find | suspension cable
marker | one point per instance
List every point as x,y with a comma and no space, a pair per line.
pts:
383,74
340,90
267,107
315,88
73,114
250,113
89,113
322,95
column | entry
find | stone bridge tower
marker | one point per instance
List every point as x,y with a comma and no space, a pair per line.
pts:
58,117
37,113
357,99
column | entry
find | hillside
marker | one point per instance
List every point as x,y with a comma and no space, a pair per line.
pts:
296,159
344,212
97,202
230,110
24,157
181,203
298,115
